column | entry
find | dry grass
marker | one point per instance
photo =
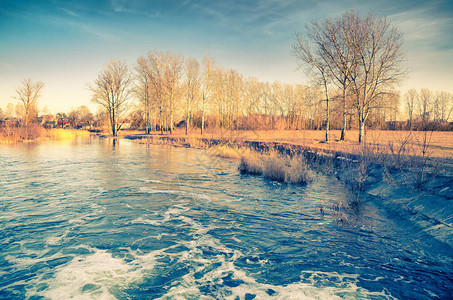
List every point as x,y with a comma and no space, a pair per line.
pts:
298,171
63,134
418,155
275,166
34,133
229,151
251,163
293,170
441,142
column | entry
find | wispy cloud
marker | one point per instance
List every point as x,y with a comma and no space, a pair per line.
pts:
8,67
69,12
424,29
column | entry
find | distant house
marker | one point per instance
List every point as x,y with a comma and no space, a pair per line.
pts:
63,123
48,121
11,122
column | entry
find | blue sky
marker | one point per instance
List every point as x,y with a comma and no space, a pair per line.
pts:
66,43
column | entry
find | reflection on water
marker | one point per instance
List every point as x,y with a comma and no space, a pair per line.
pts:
102,218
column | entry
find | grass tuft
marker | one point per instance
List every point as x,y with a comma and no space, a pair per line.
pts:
275,167
251,164
229,151
292,170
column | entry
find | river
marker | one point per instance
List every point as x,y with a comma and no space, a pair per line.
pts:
102,219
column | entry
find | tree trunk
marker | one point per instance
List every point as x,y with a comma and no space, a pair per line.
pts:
113,123
328,119
188,116
171,113
161,120
343,126
326,90
202,114
147,125
361,130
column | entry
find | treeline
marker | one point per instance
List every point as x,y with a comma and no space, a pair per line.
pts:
170,90
428,110
175,91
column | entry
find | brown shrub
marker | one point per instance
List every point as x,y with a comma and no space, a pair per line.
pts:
276,167
298,171
251,164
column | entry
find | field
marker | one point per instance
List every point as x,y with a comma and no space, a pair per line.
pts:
435,144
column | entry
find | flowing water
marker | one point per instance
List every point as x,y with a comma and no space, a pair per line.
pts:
94,219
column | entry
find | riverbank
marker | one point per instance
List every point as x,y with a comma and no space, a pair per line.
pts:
15,135
416,188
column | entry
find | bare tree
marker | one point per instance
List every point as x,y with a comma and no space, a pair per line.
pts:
80,116
208,84
443,106
142,88
156,63
309,51
425,106
192,72
9,113
112,90
378,63
411,98
334,53
173,70
28,94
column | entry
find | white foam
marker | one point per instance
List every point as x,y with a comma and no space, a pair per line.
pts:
345,288
141,220
313,285
150,190
56,240
151,180
95,276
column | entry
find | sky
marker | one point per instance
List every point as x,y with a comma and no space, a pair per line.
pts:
65,44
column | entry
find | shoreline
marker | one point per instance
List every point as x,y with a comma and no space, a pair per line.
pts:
430,208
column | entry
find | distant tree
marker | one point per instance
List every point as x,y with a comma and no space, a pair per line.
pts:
208,84
45,110
28,93
19,111
136,118
233,104
86,117
443,106
142,89
173,72
9,113
112,90
410,100
81,115
101,118
156,73
73,117
425,106
192,74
